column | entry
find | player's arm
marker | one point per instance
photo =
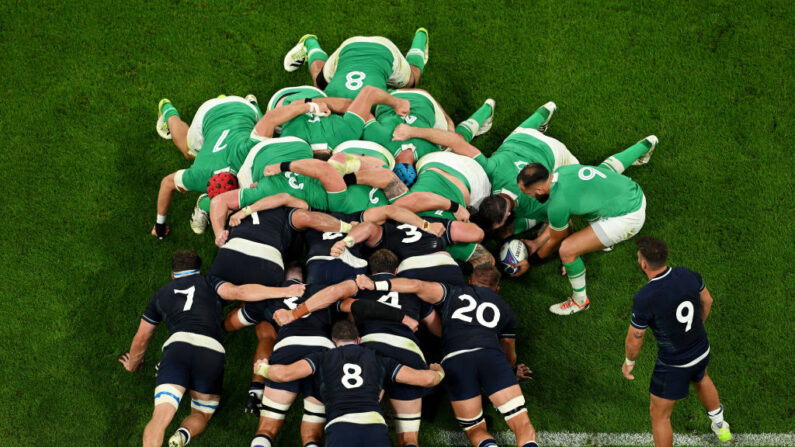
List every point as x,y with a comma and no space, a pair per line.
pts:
220,208
311,167
381,214
132,360
167,188
320,300
466,232
443,138
383,179
427,201
267,203
369,96
257,292
632,345
430,292
420,377
433,323
706,304
366,232
364,310
302,219
552,243
267,125
481,256
283,373
335,105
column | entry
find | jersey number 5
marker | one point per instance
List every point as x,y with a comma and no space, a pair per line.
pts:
189,300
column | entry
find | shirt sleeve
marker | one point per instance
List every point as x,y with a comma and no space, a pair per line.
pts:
391,367
641,314
247,196
315,359
152,313
446,290
558,214
425,310
699,281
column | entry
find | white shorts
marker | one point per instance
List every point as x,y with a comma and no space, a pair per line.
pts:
612,230
440,119
276,99
479,184
401,71
563,156
195,134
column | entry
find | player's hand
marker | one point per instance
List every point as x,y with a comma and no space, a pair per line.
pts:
258,364
401,133
411,323
322,109
160,231
271,170
532,247
522,267
338,248
437,368
462,214
235,219
127,363
364,282
437,229
294,290
220,240
627,371
402,107
283,316
523,372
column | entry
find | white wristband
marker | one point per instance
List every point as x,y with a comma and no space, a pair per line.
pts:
349,241
247,211
629,362
345,227
161,219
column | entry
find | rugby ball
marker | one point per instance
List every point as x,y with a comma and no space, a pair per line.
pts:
511,254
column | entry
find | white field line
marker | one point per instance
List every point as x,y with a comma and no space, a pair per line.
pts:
457,438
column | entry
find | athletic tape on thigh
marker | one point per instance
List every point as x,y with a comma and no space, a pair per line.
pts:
468,424
407,422
205,406
273,410
167,394
512,408
314,413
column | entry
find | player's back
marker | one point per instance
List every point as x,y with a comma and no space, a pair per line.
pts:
474,317
592,191
188,304
406,240
360,64
269,227
670,304
408,303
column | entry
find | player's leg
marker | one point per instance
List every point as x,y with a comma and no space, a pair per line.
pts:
417,55
202,407
307,49
275,403
539,120
469,413
407,421
660,410
572,247
171,126
312,422
636,155
167,398
479,123
708,394
511,404
266,338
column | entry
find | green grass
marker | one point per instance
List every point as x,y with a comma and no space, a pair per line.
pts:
80,81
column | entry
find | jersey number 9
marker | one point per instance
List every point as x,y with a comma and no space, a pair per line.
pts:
685,318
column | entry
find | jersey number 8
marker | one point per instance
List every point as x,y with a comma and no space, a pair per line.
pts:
353,376
355,80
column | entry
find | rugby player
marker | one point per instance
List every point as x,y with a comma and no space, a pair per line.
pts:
221,127
675,304
613,204
351,379
193,356
387,337
479,348
360,61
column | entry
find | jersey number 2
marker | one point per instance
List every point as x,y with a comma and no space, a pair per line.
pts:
189,293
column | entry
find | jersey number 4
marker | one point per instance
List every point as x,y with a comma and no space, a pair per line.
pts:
480,312
189,294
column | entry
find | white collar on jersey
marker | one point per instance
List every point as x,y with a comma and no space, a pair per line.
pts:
554,177
667,271
184,273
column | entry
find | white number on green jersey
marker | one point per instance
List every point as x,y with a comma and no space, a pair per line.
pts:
409,119
355,80
588,173
353,376
390,299
291,180
189,294
480,312
313,118
412,233
685,318
218,146
373,198
520,164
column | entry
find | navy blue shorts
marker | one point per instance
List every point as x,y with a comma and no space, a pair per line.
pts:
193,367
346,434
395,390
331,271
466,374
450,274
673,383
289,354
237,268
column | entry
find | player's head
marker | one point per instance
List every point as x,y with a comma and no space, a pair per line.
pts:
220,183
294,270
321,154
344,333
652,253
493,212
486,276
406,173
383,261
533,180
185,260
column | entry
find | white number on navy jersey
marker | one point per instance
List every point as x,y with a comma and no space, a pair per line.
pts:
588,173
480,312
218,146
328,236
255,218
685,318
355,80
189,294
412,233
292,303
353,376
390,299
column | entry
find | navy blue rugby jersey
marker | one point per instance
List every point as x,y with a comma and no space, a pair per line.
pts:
474,317
189,303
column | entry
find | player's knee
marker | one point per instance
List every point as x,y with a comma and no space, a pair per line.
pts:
567,251
205,408
265,332
407,422
513,408
470,424
273,410
168,394
314,413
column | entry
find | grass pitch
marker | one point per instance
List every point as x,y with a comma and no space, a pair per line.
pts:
713,80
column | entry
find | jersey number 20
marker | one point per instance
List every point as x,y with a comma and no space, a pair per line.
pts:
480,311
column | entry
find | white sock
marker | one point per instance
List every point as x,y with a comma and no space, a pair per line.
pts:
261,441
716,416
185,435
